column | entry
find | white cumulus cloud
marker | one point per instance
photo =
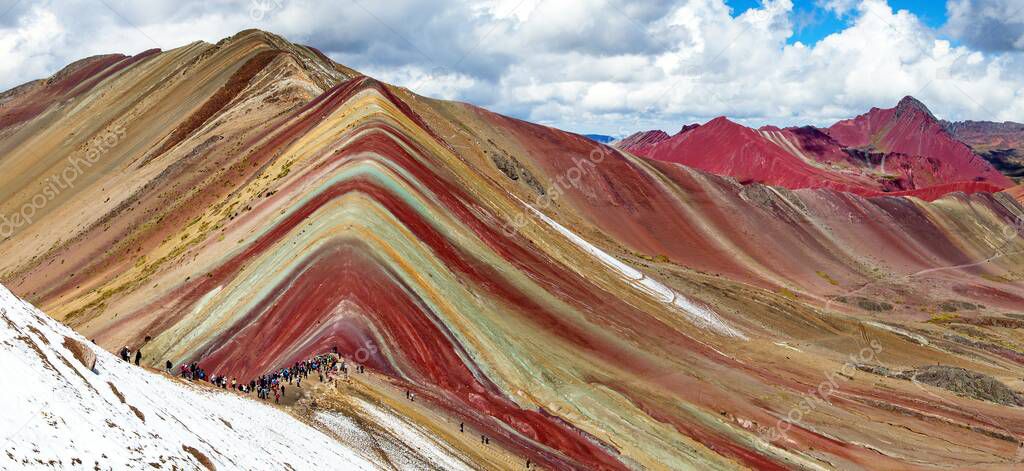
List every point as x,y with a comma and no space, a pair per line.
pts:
608,66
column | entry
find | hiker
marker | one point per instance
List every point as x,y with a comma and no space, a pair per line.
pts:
170,366
527,463
462,427
138,356
125,353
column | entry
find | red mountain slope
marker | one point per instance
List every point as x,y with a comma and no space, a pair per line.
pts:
1001,144
726,148
984,135
901,151
642,139
25,102
911,129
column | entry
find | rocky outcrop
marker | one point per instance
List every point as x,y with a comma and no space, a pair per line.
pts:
85,355
957,380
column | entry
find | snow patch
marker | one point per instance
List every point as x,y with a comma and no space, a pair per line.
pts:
409,446
649,286
57,414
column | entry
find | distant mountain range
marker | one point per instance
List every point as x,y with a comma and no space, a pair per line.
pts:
902,150
1002,144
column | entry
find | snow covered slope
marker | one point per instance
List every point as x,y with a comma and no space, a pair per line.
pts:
57,414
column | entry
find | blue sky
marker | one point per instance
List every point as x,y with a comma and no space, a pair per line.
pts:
813,21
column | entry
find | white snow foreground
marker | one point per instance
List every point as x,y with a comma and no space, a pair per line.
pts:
57,414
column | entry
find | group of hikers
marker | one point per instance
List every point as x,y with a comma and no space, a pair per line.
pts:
324,365
126,354
192,372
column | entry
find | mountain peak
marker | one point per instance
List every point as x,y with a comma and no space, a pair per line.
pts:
723,122
909,103
687,127
639,140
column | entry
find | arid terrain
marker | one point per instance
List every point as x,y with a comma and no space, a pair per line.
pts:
790,303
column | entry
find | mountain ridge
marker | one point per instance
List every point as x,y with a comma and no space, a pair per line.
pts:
581,307
864,155
1001,144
